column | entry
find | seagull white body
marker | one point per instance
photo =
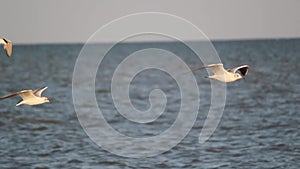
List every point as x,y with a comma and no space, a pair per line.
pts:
30,97
7,44
229,75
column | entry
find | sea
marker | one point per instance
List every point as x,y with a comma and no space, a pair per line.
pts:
259,127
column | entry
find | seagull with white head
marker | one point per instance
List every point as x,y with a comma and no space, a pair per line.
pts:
7,44
30,97
226,75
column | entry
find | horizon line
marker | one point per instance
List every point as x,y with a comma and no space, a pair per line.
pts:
158,41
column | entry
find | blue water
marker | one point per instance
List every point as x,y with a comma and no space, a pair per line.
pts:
259,127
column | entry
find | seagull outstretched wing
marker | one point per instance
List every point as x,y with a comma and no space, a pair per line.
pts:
24,94
216,68
8,96
7,45
8,48
244,69
38,92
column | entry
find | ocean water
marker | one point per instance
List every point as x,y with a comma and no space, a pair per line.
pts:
259,127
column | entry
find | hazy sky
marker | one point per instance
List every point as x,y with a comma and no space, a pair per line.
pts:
54,21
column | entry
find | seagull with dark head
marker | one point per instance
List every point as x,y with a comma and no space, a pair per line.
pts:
30,97
226,75
7,44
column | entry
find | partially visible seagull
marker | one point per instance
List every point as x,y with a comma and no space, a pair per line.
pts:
229,75
7,44
29,97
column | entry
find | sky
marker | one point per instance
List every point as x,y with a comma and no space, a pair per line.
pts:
69,21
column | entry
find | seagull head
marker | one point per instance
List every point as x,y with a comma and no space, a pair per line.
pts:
46,100
238,76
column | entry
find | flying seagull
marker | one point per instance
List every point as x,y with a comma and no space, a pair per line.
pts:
29,97
7,44
223,75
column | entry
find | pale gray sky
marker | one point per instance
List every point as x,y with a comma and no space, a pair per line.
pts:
54,21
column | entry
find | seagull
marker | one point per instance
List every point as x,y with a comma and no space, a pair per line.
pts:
7,44
228,75
30,97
